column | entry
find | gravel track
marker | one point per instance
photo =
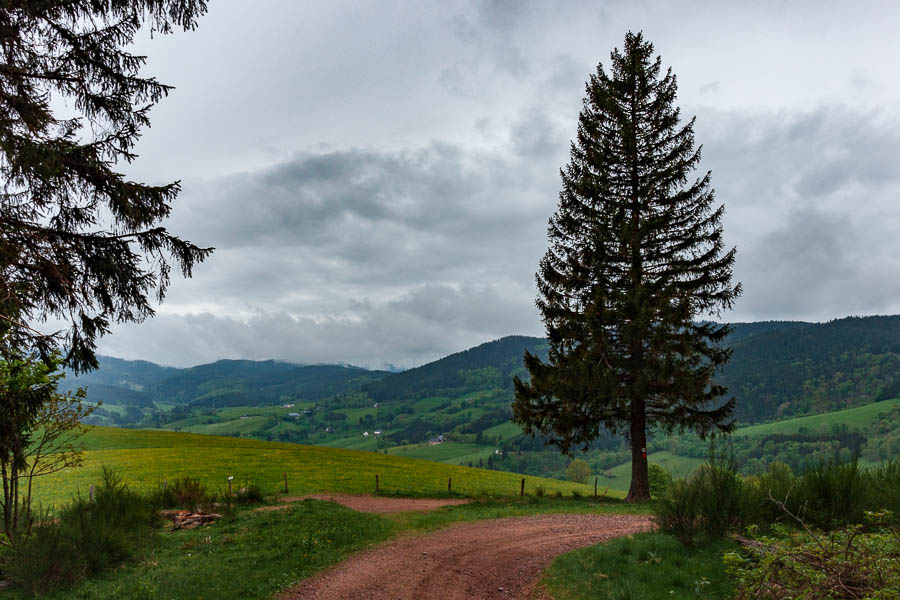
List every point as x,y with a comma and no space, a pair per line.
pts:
500,558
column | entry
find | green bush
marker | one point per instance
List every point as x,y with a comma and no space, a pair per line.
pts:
769,490
708,504
249,494
659,479
807,565
884,487
190,493
676,512
85,538
833,494
578,471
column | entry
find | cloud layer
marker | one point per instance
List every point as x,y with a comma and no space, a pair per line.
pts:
377,184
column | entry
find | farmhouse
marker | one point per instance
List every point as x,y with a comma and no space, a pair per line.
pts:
295,415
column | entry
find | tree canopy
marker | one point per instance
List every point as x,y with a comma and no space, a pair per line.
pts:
79,241
635,260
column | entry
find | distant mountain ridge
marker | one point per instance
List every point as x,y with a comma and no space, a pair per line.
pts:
778,368
222,383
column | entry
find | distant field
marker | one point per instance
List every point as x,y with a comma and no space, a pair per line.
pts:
859,417
442,452
507,430
146,457
678,466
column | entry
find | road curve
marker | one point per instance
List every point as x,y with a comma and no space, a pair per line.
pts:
500,558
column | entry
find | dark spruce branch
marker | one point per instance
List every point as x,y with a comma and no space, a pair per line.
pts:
79,242
635,259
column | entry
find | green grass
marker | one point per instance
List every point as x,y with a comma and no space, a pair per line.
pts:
678,466
507,430
438,452
256,556
357,442
147,457
643,566
854,418
355,414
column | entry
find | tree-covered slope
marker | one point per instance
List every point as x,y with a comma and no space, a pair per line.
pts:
488,366
245,382
779,369
792,368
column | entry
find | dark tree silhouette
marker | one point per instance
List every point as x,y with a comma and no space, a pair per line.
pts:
79,242
635,258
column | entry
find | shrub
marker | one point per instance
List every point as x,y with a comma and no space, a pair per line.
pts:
768,490
85,538
845,563
578,471
833,494
676,512
190,493
721,497
660,480
884,486
249,494
539,491
708,504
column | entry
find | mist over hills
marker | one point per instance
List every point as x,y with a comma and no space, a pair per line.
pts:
778,368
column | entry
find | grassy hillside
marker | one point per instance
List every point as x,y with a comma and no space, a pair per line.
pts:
145,458
854,418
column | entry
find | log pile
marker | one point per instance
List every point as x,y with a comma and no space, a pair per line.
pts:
186,519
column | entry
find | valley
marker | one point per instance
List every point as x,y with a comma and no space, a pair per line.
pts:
833,395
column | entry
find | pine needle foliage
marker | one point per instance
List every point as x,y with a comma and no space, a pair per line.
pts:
79,241
635,258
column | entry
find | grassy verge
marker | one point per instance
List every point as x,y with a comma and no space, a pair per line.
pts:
645,566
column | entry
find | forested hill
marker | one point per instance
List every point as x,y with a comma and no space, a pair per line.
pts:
491,365
779,368
241,382
792,368
222,383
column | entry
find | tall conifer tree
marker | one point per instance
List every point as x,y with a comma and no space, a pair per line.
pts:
635,259
79,241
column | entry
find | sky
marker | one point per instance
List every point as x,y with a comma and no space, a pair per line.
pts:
376,177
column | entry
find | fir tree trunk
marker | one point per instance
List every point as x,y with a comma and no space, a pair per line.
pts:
640,478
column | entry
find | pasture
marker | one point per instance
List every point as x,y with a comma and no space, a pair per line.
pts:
147,457
855,418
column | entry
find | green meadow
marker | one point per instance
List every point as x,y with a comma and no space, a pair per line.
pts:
855,418
145,458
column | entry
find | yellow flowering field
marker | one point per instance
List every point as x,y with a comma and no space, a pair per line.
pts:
147,457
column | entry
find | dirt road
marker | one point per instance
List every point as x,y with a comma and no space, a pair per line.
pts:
501,558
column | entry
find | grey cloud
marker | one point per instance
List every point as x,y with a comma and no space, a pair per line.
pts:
812,200
425,324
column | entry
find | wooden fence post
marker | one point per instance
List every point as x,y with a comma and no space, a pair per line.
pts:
285,484
522,491
376,484
91,491
230,493
595,486
449,481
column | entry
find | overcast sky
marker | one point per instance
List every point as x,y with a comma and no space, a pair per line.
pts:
377,177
